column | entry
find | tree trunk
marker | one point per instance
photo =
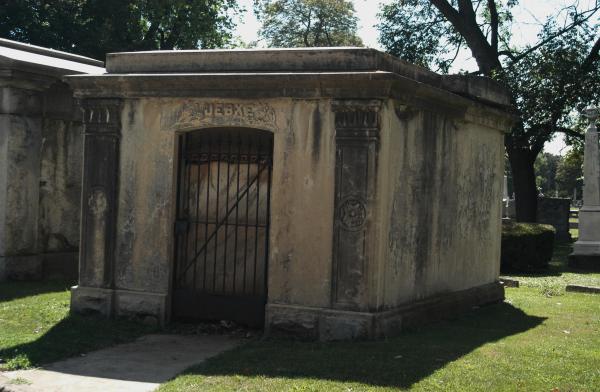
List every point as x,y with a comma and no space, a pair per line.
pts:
523,174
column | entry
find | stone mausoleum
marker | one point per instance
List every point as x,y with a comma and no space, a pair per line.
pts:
41,142
328,193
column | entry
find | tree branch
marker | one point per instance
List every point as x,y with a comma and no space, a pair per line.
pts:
465,22
570,132
307,31
506,53
494,23
535,47
448,11
591,57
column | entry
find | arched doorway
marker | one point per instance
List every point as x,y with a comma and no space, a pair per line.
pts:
222,227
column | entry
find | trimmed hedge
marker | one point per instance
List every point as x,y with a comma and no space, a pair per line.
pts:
526,246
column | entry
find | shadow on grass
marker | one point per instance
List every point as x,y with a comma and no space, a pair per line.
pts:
16,289
397,362
74,335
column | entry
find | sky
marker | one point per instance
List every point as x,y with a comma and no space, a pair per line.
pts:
528,16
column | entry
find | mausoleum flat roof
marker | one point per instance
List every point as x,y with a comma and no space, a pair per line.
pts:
36,59
335,59
338,60
345,72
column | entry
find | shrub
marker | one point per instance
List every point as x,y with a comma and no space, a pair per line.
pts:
20,361
526,246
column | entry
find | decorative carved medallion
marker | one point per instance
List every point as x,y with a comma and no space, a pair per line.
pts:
97,202
352,213
192,115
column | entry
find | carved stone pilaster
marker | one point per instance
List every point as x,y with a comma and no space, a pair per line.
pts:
357,141
102,121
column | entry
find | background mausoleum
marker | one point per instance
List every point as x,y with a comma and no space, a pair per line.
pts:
41,143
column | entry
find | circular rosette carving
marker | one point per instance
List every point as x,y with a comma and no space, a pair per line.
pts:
352,213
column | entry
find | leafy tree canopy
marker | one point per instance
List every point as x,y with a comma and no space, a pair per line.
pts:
96,27
569,174
548,80
307,23
545,169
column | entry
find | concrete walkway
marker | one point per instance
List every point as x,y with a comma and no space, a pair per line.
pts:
133,367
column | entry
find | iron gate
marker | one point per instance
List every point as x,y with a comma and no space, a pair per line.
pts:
222,227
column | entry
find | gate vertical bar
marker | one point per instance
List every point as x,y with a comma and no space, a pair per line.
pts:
187,209
217,212
197,216
237,208
206,220
227,209
256,223
247,213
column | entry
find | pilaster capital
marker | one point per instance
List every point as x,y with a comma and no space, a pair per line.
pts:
356,119
102,115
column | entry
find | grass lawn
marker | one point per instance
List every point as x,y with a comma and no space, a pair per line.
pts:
36,328
539,339
558,274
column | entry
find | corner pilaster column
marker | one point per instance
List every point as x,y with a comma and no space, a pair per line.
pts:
102,124
357,145
586,251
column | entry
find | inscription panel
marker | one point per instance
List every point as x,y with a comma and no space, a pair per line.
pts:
357,138
194,115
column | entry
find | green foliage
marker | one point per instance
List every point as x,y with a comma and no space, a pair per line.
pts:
96,27
307,23
407,31
417,31
551,88
551,289
526,246
19,361
528,343
545,169
569,173
36,326
549,80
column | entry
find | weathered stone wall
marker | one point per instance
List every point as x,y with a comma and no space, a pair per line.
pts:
20,139
60,177
60,182
301,195
40,173
433,226
441,203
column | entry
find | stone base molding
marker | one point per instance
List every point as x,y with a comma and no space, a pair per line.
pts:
330,324
150,308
